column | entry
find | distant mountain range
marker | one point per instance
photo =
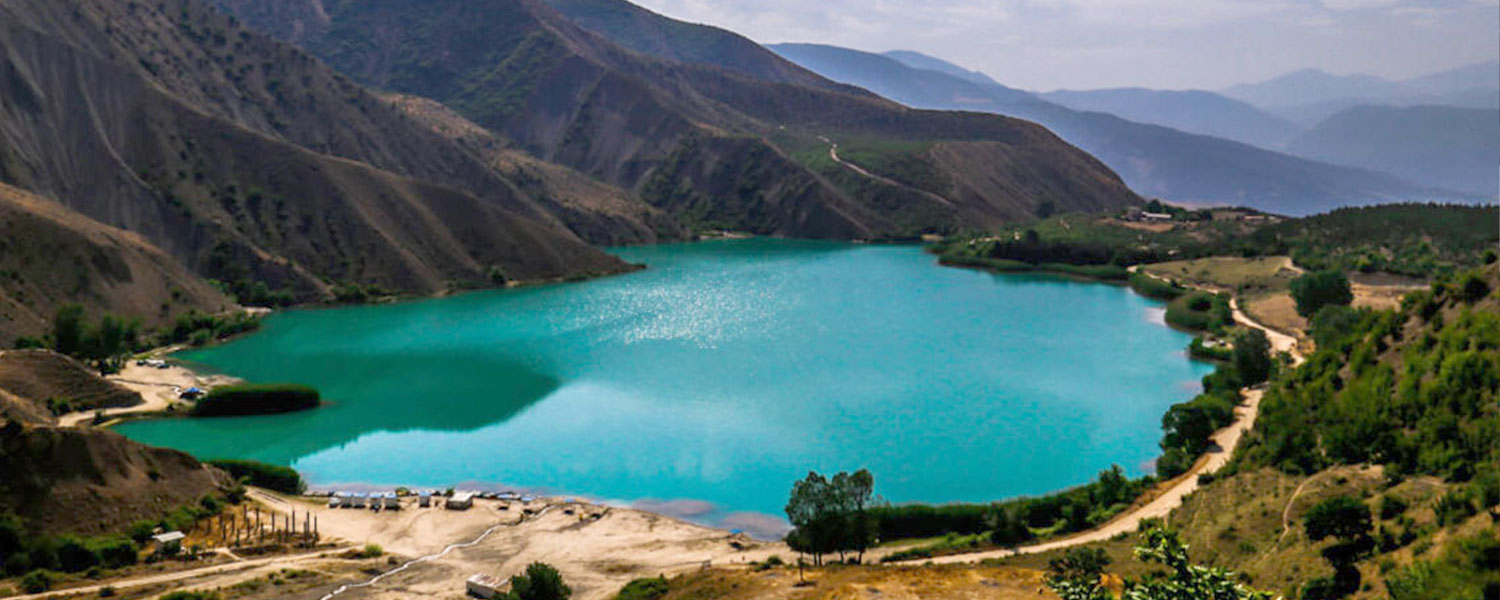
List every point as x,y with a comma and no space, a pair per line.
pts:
1432,145
1310,95
1154,160
1192,111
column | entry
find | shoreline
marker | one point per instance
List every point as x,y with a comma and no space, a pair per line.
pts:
161,381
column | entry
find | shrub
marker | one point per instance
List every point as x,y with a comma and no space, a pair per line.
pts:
649,588
372,551
1322,288
256,399
37,581
272,477
190,595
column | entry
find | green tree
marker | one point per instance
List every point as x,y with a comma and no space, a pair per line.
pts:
829,515
68,330
539,582
1077,576
1347,520
1252,356
1322,288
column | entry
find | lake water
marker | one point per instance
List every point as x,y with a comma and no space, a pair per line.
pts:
706,384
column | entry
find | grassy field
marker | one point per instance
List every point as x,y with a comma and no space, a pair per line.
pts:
1258,275
947,582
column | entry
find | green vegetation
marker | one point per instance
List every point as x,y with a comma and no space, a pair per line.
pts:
1347,520
1417,240
829,515
1413,389
1152,287
1201,311
1188,426
199,329
1252,357
1010,522
649,588
256,399
372,551
1465,570
24,551
539,582
104,344
1077,575
1201,350
1315,290
190,595
272,477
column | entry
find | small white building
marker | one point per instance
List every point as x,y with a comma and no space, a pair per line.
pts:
170,537
424,499
390,501
460,501
483,586
356,500
1151,216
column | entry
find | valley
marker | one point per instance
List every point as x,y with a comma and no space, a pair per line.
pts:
551,299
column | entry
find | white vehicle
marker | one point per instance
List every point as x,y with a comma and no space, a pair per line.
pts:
483,586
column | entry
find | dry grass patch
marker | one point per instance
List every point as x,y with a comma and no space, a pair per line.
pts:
1230,273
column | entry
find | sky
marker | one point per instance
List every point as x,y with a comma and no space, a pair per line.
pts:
1166,44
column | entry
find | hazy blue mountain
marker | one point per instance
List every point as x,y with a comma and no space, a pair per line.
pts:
1453,148
1309,96
917,60
1192,111
1154,160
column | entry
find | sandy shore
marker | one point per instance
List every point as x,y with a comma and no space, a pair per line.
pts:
159,388
597,548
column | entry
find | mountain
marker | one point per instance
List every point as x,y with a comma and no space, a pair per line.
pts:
51,256
649,33
1191,111
1154,160
706,143
1440,146
917,60
247,160
1309,96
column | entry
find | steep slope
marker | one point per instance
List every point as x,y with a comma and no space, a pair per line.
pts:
90,482
649,33
1191,111
39,376
1454,148
1154,160
51,256
714,147
247,160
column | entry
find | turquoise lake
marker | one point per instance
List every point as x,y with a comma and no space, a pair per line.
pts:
706,384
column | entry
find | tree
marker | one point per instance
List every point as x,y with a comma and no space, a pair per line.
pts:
1347,520
1322,288
1046,208
68,335
540,582
1187,426
830,516
1252,356
1077,575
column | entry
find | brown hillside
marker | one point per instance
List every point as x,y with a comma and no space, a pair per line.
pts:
710,146
89,481
50,256
42,375
248,160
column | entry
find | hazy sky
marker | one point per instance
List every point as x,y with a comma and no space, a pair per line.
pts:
1050,44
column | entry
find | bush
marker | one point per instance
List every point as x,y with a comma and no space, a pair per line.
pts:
37,581
649,588
256,399
1200,311
190,595
372,551
1152,287
1322,288
272,477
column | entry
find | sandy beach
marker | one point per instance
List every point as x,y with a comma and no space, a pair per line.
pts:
160,389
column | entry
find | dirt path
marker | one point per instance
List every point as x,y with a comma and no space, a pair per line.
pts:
833,153
247,568
1224,442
